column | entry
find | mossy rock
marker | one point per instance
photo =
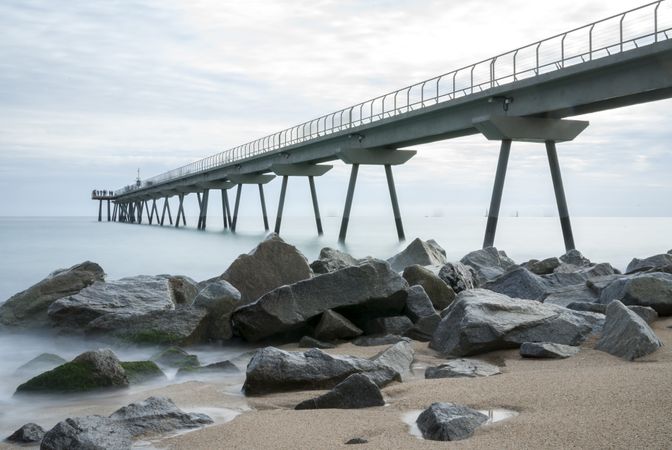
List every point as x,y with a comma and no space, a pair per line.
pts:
153,337
68,377
176,357
42,362
142,371
223,367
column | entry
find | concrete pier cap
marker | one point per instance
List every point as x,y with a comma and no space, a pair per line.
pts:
529,129
250,178
365,156
300,170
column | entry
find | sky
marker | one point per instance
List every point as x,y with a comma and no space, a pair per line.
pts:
92,91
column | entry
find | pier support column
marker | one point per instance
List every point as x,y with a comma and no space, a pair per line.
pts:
150,213
180,212
263,206
100,210
114,212
281,204
226,210
109,216
496,200
156,210
560,199
316,206
203,208
249,178
235,208
348,203
395,203
166,208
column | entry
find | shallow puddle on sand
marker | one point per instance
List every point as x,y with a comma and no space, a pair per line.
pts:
494,415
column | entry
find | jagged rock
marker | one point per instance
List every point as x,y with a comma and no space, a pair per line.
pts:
373,341
651,262
646,289
222,367
645,312
184,289
398,357
156,415
275,370
459,276
132,296
388,325
423,253
310,342
574,294
331,260
176,357
27,434
462,367
272,263
480,321
438,291
567,274
589,307
356,391
420,310
547,350
488,263
220,299
87,433
370,288
357,440
183,326
39,364
91,370
519,283
333,326
598,284
543,267
575,258
625,334
28,309
142,371
449,422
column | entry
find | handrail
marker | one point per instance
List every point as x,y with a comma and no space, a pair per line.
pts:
498,75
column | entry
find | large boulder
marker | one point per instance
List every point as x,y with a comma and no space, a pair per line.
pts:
519,283
272,263
139,372
438,291
488,263
388,325
543,267
575,258
481,320
646,289
219,298
423,253
462,368
334,326
459,276
651,262
625,334
420,310
449,422
381,339
356,391
27,434
184,289
331,260
176,357
547,350
568,274
91,370
41,363
370,288
219,368
87,433
573,294
29,308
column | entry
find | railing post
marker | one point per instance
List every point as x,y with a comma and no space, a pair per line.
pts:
562,50
590,43
621,30
655,23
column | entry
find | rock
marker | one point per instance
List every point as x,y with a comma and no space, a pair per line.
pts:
547,350
156,415
458,276
373,341
625,334
651,262
370,288
28,308
310,342
184,289
438,291
91,370
220,299
87,433
480,321
462,367
488,263
543,267
357,440
332,260
333,326
183,326
598,284
421,311
449,422
272,263
589,307
574,294
132,296
647,289
519,283
176,357
142,371
397,357
568,274
575,258
275,370
29,433
388,325
647,313
222,367
423,253
39,364
356,391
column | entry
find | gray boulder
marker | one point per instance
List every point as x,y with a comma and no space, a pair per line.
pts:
331,260
543,267
651,262
28,309
420,310
370,288
423,253
646,289
39,364
220,299
575,258
310,342
547,350
519,283
481,320
461,368
573,294
459,276
184,289
449,422
334,326
176,357
27,434
625,334
222,368
272,263
397,357
598,308
356,391
87,433
568,274
374,341
645,312
488,263
139,372
388,325
438,291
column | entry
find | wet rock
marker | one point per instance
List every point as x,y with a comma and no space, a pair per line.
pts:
310,342
449,422
220,299
388,325
272,263
176,357
184,289
647,289
27,434
39,364
423,253
651,262
373,341
438,291
519,283
488,263
91,370
356,391
574,294
422,313
28,309
142,371
331,260
370,288
333,326
547,350
626,335
462,367
222,367
156,415
543,267
459,276
480,321
87,433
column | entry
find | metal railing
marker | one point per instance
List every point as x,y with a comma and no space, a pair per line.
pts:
631,29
